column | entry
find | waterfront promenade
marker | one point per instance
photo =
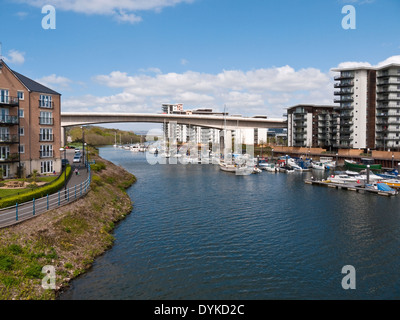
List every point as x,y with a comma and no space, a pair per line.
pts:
76,186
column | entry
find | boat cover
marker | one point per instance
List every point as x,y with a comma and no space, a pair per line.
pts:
384,187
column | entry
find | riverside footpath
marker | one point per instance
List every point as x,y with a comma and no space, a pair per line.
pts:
76,187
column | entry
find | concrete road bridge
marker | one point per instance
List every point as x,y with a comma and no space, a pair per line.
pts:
69,119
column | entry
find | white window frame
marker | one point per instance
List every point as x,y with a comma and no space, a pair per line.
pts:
47,149
23,95
45,101
46,166
21,148
21,113
21,131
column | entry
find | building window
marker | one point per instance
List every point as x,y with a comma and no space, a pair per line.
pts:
4,152
20,95
5,170
4,97
46,166
46,117
21,148
46,134
46,151
21,131
21,113
45,101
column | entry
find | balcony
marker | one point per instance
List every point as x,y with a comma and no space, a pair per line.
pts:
46,121
46,137
344,84
12,157
388,73
345,75
46,104
9,101
388,82
343,91
388,106
343,146
388,90
388,98
46,154
9,138
9,120
344,99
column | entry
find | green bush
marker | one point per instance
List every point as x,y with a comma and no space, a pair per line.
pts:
98,166
37,193
6,262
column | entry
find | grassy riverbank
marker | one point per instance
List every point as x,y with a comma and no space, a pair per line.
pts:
68,238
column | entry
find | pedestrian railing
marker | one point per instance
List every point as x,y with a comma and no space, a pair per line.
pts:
35,207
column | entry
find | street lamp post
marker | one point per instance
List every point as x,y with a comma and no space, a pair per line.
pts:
65,170
83,143
85,158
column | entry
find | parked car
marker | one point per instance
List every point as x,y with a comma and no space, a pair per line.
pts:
64,162
77,159
77,150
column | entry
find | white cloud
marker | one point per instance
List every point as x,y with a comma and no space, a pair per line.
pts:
260,91
393,59
56,82
354,64
15,57
121,10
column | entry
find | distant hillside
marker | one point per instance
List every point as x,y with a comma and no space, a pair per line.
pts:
99,136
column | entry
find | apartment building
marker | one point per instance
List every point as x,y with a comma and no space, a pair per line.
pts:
388,108
369,107
357,104
312,126
185,133
30,125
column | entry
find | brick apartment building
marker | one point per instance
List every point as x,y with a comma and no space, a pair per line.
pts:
30,125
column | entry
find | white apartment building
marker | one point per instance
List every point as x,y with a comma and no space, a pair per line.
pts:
369,107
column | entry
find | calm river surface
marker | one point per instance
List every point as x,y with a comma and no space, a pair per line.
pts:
199,233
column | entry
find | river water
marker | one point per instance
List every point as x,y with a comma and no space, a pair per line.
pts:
196,232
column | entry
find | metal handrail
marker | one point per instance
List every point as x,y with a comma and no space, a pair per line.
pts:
27,210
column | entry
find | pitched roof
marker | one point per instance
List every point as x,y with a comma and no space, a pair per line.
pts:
33,85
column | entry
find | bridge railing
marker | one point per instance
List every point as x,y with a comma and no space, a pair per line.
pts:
27,210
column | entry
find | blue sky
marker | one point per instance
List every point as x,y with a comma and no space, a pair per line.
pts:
254,56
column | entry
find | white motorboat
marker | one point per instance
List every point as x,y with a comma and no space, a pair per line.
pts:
256,170
328,162
343,178
227,167
270,167
318,165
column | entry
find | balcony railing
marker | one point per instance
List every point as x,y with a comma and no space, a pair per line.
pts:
46,137
44,121
343,99
388,106
46,104
11,101
9,138
46,154
344,84
345,75
12,157
9,120
388,98
387,82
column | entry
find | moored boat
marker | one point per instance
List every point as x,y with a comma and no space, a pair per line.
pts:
353,165
318,165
